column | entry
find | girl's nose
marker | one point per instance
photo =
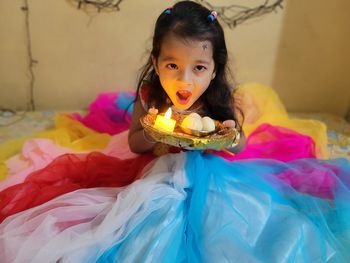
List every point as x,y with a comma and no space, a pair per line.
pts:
184,76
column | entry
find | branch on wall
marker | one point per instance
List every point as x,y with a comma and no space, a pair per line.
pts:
105,5
32,62
234,15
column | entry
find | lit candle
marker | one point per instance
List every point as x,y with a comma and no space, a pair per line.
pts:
165,122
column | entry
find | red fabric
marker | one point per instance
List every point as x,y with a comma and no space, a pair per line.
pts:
67,173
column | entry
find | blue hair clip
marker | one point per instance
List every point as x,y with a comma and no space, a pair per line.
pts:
213,15
168,11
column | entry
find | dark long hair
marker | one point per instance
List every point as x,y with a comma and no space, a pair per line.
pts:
189,20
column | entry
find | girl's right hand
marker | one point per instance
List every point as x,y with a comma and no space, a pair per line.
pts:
153,111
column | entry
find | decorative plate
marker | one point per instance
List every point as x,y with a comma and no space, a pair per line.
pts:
222,137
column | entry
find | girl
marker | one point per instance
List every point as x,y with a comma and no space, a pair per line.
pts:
190,206
187,68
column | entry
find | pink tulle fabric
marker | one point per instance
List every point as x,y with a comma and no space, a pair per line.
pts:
314,180
104,116
273,142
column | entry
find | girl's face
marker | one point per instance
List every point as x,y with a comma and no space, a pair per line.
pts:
185,68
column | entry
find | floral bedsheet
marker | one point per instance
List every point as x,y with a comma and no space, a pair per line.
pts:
338,132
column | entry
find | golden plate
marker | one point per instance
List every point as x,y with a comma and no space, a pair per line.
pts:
198,133
222,137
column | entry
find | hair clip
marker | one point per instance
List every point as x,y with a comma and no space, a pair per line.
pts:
168,11
213,15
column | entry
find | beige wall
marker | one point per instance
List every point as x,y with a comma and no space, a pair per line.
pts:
13,56
299,51
312,68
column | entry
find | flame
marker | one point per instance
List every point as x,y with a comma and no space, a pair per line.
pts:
167,114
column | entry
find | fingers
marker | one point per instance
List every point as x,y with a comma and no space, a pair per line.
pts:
153,111
229,123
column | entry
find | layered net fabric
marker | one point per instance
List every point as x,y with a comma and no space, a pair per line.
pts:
274,142
109,113
67,132
67,173
194,207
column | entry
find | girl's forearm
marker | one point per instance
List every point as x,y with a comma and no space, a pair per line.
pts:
140,142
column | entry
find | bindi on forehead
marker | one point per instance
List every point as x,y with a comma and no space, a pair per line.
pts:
205,46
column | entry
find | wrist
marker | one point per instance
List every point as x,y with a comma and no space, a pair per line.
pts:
148,138
235,141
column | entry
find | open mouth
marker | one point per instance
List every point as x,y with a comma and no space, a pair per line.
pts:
183,96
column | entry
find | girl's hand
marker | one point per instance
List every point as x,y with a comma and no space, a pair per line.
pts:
153,111
229,123
238,142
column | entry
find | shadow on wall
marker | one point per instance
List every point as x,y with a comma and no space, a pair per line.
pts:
312,73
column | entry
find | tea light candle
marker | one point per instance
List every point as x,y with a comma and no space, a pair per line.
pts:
165,122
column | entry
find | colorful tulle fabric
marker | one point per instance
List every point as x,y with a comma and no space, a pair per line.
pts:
67,133
261,104
108,113
189,207
273,142
38,153
67,173
78,194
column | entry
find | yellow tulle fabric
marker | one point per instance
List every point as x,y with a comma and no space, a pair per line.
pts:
261,104
68,133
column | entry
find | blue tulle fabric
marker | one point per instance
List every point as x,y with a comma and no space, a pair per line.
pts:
241,211
125,101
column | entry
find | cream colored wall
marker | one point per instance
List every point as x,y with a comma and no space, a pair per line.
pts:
299,51
13,56
313,55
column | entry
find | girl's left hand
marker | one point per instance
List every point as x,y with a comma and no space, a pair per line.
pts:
229,123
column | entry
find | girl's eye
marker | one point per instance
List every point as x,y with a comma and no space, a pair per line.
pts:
171,66
200,68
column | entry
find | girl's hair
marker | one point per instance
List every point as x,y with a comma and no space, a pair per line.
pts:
189,20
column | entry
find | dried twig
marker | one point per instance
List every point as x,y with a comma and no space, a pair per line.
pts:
107,5
233,15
